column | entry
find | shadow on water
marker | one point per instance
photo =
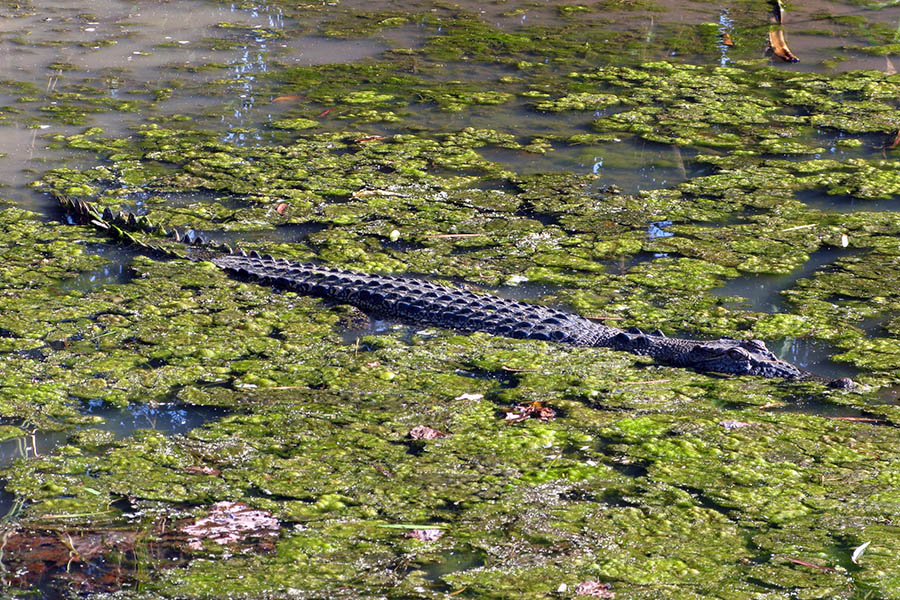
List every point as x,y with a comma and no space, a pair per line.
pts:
827,410
290,233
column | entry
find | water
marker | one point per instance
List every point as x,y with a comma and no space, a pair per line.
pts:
847,204
451,562
812,355
828,411
890,395
762,292
132,52
115,273
173,419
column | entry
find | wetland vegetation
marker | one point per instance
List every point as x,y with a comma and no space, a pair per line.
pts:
166,431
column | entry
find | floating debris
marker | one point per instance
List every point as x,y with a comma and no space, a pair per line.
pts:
231,524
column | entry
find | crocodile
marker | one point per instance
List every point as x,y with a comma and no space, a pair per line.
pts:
423,302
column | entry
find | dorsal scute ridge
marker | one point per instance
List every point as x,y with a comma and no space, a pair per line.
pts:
421,302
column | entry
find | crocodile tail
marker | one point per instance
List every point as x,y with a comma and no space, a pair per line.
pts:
126,226
418,301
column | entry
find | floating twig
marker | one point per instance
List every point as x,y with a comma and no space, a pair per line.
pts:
797,561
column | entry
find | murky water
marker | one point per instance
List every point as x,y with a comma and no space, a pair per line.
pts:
134,53
762,292
452,562
128,51
122,422
161,56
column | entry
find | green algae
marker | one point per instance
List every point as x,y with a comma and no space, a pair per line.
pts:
577,101
636,483
357,24
294,124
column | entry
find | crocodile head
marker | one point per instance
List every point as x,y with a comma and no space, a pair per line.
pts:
738,357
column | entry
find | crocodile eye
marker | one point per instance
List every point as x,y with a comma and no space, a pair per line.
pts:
755,345
736,354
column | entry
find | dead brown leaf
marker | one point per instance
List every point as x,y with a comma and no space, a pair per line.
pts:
535,410
202,470
595,589
424,432
777,43
371,138
425,535
896,141
230,523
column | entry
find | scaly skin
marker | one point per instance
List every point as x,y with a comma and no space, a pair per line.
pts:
417,301
422,302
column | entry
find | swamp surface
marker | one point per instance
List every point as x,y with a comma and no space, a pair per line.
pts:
169,432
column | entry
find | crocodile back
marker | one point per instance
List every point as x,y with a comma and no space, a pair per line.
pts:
421,302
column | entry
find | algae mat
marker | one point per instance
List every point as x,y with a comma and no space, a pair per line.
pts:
424,463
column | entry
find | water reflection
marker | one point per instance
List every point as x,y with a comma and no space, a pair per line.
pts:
113,274
761,292
171,419
812,355
657,230
819,200
10,507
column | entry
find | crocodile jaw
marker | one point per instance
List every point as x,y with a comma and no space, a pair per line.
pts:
738,357
726,355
